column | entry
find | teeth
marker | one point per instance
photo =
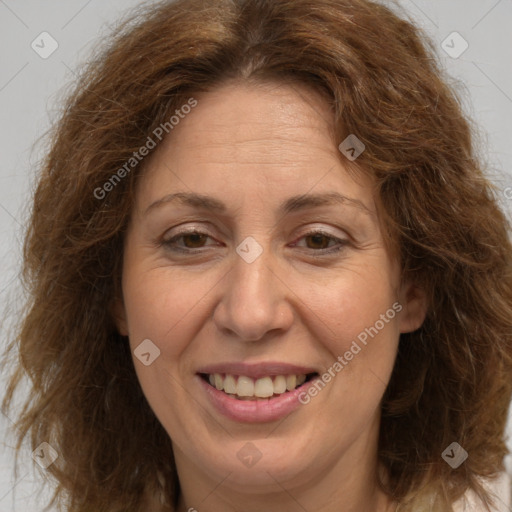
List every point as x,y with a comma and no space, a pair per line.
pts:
291,382
264,387
280,384
230,384
246,388
219,381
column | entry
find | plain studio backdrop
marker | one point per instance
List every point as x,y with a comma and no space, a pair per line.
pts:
42,45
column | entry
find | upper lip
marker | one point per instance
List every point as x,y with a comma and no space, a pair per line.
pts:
257,370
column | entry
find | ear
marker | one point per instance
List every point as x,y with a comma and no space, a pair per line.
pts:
118,313
414,303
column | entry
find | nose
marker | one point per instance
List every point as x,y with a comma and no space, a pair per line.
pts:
255,300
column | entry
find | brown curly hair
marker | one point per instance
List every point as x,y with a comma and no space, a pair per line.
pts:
451,381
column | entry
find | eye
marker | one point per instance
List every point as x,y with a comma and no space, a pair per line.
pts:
192,240
319,241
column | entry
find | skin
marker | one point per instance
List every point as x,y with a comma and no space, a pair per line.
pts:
252,146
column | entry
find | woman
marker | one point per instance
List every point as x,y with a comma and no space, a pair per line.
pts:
266,271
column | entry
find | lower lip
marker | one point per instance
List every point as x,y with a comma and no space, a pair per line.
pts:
255,411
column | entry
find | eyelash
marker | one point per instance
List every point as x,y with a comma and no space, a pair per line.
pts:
341,242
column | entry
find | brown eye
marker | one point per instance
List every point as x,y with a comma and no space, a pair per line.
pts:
186,241
319,240
195,240
320,243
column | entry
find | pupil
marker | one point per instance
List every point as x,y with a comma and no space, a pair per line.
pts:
197,238
317,239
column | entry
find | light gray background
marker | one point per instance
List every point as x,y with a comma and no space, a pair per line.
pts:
31,89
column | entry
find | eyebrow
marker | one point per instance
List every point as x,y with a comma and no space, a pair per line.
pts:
292,204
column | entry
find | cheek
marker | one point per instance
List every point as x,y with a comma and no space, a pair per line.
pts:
165,307
360,332
350,303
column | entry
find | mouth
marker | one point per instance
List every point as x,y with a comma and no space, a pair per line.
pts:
255,392
247,388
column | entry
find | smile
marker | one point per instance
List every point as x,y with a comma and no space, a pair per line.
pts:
255,393
243,387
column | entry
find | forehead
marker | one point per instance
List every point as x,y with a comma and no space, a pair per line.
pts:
264,139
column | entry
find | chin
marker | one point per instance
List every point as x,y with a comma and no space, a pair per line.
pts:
257,466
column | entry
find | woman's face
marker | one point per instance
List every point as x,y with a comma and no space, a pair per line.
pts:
285,278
